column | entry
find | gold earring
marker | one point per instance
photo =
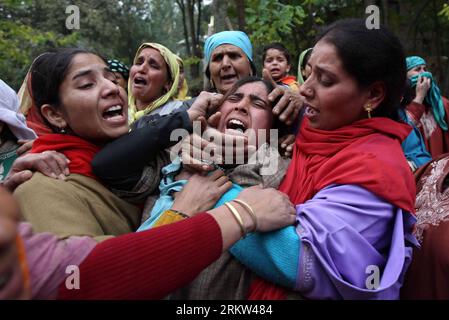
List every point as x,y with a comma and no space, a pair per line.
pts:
368,109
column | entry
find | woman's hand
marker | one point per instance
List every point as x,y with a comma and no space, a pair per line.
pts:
272,208
422,87
289,103
25,146
286,144
50,163
205,103
201,192
199,153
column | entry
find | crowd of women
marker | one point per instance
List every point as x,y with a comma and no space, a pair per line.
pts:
93,178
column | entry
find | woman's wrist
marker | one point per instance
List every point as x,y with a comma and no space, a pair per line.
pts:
418,99
230,229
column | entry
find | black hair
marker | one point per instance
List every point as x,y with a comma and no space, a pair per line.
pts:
48,72
371,55
278,46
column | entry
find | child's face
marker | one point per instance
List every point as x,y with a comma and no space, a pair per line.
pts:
276,63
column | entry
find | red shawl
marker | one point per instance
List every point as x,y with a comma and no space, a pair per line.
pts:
77,150
366,153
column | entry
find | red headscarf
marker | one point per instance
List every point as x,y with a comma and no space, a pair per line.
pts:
79,151
366,153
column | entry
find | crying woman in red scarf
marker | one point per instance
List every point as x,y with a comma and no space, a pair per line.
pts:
349,180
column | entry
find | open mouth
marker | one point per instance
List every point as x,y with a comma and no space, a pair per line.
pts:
229,77
236,125
310,111
113,112
140,81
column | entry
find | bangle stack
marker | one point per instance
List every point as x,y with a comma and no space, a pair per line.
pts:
249,210
238,217
179,213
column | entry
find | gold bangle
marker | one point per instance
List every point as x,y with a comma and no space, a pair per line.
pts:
179,213
237,217
249,210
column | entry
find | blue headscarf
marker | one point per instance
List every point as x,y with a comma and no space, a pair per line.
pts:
433,97
236,38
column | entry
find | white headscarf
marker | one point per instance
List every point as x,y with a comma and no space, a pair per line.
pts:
9,107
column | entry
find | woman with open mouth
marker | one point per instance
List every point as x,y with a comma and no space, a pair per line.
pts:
153,83
86,108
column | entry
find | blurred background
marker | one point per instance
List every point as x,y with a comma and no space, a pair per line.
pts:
115,28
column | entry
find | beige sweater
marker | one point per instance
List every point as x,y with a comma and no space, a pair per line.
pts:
79,206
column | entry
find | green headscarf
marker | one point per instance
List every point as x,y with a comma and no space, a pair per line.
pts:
170,59
300,64
433,97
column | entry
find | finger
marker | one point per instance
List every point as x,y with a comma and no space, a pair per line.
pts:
214,119
16,179
266,75
277,92
195,165
203,123
225,187
217,174
281,105
53,164
288,112
25,147
62,162
222,180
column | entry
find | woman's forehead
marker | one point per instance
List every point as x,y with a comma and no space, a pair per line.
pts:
150,52
227,48
87,61
257,88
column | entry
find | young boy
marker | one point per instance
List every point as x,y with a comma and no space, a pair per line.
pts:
276,59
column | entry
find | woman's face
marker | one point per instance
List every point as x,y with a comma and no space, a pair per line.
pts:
149,77
92,104
333,98
276,63
227,65
247,108
416,70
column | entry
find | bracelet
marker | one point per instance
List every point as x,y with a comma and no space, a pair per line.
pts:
179,213
249,210
237,217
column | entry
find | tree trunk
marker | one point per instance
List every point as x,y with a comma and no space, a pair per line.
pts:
195,69
240,6
219,11
182,7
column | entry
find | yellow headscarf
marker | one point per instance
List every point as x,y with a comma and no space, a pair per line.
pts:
182,93
170,59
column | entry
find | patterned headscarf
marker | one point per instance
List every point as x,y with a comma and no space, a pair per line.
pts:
118,66
170,59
